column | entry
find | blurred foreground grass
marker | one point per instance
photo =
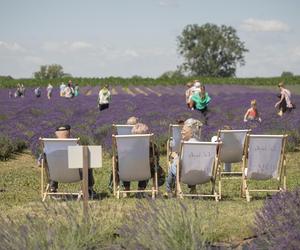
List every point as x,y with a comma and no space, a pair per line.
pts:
229,221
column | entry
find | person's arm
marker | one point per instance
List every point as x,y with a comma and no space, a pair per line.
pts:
207,98
281,99
246,115
191,104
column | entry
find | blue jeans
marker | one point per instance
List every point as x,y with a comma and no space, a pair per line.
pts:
171,176
227,167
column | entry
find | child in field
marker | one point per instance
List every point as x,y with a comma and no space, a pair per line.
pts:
252,113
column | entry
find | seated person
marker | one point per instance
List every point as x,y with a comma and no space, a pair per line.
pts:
189,132
141,128
64,132
132,120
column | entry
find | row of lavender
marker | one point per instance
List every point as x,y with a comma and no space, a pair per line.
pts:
29,118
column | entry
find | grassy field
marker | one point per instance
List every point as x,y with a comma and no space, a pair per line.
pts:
228,221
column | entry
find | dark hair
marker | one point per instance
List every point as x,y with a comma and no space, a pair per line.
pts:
63,128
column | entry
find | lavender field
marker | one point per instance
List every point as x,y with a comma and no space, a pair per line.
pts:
29,118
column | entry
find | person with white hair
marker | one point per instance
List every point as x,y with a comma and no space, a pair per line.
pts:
193,87
190,132
132,120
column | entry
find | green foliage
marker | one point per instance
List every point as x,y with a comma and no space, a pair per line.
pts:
172,74
157,225
26,221
287,74
210,50
60,226
47,72
174,80
8,147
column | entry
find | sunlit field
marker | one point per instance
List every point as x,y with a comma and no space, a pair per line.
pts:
129,222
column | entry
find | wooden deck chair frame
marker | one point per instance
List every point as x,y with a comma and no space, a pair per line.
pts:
215,172
281,168
242,157
118,127
45,191
169,146
116,180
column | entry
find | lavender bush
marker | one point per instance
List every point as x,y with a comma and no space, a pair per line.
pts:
29,118
61,226
277,225
167,225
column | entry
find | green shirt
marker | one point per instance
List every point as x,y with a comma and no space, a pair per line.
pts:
200,103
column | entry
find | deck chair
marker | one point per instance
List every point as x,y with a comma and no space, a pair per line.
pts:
131,162
233,148
265,160
122,129
55,164
198,164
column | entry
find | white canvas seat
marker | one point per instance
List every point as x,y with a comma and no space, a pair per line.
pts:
55,163
198,164
265,161
122,129
131,161
233,148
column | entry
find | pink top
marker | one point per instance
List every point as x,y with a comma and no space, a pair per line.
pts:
287,95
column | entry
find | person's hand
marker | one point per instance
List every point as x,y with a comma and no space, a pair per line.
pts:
276,104
259,119
245,120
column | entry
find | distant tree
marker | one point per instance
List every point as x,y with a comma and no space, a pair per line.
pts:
287,74
210,50
136,77
172,74
49,72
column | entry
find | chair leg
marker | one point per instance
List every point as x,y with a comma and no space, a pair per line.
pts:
248,197
114,175
153,193
45,193
216,196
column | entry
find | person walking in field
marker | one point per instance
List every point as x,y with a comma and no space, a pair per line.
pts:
285,103
76,90
37,92
62,89
49,91
104,98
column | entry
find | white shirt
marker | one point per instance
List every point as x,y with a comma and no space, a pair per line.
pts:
104,96
287,95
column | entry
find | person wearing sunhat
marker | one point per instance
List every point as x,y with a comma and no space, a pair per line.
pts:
64,132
